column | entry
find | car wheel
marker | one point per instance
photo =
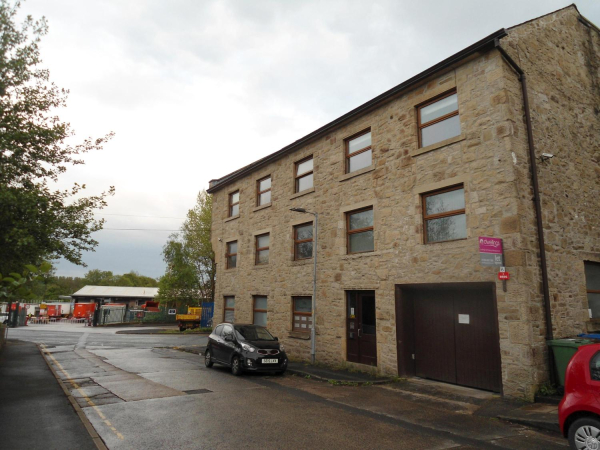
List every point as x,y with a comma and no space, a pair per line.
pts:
182,329
208,361
236,366
584,433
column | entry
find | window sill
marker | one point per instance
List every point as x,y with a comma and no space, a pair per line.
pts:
260,266
305,336
266,205
445,242
361,255
357,173
229,219
437,145
300,194
301,262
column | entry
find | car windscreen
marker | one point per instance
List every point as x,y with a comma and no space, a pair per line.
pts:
254,333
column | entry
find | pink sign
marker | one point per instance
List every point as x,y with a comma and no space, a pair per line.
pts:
490,245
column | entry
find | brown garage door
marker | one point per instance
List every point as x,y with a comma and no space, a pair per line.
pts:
449,333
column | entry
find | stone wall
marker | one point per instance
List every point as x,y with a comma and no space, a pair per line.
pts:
489,158
561,59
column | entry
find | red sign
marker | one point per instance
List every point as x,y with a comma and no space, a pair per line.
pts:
490,245
503,276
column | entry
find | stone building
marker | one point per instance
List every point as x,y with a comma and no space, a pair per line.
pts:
404,187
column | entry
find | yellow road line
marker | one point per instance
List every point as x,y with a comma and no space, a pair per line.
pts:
86,398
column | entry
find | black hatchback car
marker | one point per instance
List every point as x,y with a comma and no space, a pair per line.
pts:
245,348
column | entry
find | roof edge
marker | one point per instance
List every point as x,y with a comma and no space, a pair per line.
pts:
482,45
545,15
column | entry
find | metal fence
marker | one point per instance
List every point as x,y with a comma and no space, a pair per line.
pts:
112,314
208,310
54,320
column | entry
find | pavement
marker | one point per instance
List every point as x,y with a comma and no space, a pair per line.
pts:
34,410
537,415
140,392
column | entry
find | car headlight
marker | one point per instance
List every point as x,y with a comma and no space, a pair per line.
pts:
248,348
281,348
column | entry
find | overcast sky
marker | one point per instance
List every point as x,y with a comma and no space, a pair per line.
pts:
196,89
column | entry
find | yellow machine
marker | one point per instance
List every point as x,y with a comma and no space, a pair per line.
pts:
191,319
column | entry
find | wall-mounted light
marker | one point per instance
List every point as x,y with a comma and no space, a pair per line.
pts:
546,156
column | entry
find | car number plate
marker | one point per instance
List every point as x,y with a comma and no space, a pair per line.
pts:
269,361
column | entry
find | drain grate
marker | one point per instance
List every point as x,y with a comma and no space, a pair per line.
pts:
198,391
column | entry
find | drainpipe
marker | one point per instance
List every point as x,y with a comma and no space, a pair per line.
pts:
536,200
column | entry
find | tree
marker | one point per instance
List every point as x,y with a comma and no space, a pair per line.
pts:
180,284
17,286
97,277
36,222
191,269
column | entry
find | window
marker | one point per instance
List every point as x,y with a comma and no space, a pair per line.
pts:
592,281
359,226
262,249
444,215
229,309
304,174
231,255
234,203
227,330
263,191
358,152
438,119
260,310
303,241
595,367
302,314
218,330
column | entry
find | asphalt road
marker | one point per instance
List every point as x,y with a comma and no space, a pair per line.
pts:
138,393
72,334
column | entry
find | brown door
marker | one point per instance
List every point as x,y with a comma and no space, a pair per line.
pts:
434,337
449,333
477,345
361,340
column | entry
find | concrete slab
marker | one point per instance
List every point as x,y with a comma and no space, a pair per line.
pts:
64,356
75,374
139,389
124,353
215,381
256,420
113,376
108,399
147,365
89,391
75,363
59,349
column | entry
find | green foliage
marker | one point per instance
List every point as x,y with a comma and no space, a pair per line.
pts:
19,286
191,268
547,390
37,223
343,383
97,277
46,286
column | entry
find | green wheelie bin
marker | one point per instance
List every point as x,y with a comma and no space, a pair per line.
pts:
563,350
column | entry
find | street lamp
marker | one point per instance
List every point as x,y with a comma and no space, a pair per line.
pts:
314,296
